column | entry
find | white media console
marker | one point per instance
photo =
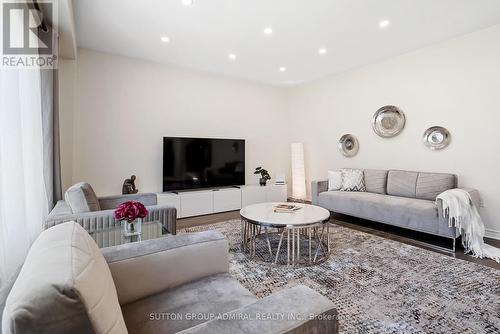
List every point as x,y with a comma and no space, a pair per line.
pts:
203,202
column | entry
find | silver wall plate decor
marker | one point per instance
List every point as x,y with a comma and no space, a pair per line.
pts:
348,145
436,138
388,121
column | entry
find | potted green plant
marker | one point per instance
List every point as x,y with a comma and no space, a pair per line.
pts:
264,175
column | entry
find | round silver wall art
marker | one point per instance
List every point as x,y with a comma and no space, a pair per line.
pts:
388,121
348,145
436,138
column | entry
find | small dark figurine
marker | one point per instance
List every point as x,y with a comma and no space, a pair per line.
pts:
129,186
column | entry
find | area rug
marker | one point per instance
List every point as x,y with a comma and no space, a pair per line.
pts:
380,285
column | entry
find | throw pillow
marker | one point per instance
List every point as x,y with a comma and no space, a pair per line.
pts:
376,181
73,290
81,198
334,180
352,180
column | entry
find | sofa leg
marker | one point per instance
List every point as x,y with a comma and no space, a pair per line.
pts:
454,248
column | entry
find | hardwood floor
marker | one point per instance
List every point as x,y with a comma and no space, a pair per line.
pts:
361,225
208,219
416,240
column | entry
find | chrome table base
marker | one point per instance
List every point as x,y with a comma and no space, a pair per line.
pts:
315,238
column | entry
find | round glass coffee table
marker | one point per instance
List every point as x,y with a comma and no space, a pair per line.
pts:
305,233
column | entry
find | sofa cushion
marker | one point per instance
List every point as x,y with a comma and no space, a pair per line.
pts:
65,286
417,214
193,255
334,180
81,198
376,181
429,185
352,180
402,183
210,295
301,310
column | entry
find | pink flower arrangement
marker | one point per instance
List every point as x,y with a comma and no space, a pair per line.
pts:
130,211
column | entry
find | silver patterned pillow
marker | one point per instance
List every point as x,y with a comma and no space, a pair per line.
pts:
352,180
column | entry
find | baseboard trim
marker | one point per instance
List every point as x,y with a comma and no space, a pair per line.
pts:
492,234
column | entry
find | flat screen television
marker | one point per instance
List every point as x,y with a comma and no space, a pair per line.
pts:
193,163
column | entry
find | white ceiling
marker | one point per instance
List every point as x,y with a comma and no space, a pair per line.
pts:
202,35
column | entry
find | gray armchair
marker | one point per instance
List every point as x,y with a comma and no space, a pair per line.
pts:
93,213
175,284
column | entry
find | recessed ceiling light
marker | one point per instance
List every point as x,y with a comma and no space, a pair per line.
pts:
232,56
165,39
268,31
282,69
322,51
384,23
187,2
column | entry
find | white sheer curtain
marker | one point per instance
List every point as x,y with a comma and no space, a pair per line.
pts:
23,197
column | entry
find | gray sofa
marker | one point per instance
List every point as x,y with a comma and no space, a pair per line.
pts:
402,198
93,213
175,284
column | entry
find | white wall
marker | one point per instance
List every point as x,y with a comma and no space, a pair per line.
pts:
67,77
124,106
455,84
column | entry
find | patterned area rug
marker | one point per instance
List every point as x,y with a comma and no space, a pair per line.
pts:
380,285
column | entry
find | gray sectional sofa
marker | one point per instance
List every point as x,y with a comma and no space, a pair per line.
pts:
405,199
175,284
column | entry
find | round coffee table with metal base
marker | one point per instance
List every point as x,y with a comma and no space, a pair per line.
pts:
296,238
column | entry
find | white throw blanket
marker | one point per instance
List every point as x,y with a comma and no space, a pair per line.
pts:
461,213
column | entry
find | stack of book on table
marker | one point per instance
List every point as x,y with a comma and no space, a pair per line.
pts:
286,208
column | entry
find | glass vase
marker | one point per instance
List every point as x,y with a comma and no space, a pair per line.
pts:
131,227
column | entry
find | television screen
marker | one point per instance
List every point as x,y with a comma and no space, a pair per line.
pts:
191,163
